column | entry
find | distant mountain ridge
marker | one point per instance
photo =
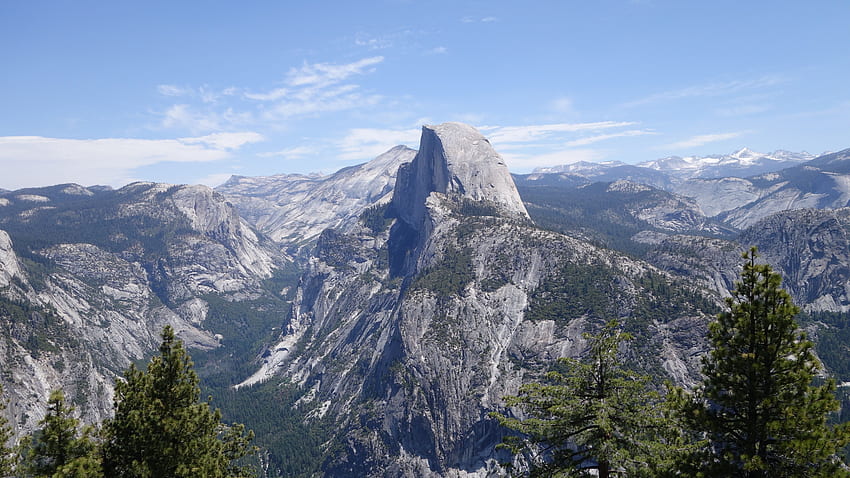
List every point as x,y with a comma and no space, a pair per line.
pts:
742,163
296,208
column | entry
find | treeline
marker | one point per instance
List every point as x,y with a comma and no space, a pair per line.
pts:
161,428
760,411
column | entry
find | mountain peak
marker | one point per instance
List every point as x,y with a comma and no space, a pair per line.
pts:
456,160
745,153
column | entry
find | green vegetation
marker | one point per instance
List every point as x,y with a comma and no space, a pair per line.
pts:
591,212
575,290
377,218
38,329
588,212
833,337
247,327
161,428
291,446
471,207
757,411
60,448
94,220
592,414
450,276
7,459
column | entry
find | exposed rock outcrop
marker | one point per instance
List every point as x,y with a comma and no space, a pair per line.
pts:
458,162
294,208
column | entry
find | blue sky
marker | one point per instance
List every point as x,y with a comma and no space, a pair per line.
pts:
192,92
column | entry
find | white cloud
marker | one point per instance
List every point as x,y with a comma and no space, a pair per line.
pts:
272,95
296,152
171,90
508,136
225,140
319,103
328,73
520,162
700,140
741,110
182,116
709,89
368,143
488,19
38,161
440,50
603,137
310,89
374,43
213,180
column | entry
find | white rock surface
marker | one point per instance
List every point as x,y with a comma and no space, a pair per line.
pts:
454,159
297,208
9,266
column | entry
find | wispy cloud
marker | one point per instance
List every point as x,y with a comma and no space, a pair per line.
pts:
709,89
172,90
37,160
524,162
531,146
604,137
506,136
440,50
367,143
296,152
205,93
204,120
272,95
309,89
700,140
213,180
225,141
322,74
487,19
741,110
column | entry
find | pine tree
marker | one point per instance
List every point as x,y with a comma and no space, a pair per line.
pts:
161,428
6,457
593,415
758,408
59,446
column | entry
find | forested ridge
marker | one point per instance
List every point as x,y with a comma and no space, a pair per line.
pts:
760,411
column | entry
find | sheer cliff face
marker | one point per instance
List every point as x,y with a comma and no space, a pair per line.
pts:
409,360
456,161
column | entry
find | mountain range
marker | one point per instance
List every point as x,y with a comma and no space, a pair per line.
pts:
374,317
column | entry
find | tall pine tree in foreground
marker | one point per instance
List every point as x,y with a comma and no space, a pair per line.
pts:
758,410
162,429
59,448
593,414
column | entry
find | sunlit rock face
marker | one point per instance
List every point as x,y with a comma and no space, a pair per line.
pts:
455,160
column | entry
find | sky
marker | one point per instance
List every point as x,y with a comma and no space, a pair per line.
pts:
97,92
